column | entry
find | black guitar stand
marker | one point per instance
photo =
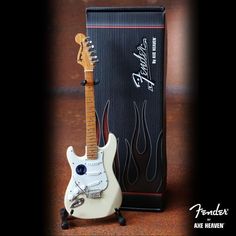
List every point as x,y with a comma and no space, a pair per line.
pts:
84,82
121,219
64,215
65,224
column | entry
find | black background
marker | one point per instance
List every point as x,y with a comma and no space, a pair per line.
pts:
24,116
215,121
24,106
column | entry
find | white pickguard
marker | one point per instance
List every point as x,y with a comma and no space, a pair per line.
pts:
95,193
94,180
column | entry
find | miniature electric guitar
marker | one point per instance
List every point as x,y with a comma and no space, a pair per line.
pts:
93,190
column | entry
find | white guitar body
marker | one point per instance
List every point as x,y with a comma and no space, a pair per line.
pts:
93,190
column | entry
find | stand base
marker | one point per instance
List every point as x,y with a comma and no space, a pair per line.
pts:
121,219
64,215
65,224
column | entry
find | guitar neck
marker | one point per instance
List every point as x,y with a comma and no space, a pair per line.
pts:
91,136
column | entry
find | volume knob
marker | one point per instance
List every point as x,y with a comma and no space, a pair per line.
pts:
81,169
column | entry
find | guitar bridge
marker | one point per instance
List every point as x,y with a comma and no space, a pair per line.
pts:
94,194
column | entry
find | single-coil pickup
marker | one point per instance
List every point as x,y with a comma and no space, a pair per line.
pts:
94,173
94,183
94,163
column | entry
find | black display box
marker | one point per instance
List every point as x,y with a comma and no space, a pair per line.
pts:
130,98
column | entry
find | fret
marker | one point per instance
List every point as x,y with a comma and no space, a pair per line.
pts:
91,136
88,61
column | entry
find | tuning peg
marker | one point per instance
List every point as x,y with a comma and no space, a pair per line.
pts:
89,43
92,53
90,47
86,39
94,57
95,61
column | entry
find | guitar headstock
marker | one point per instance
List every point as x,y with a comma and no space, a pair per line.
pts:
86,55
